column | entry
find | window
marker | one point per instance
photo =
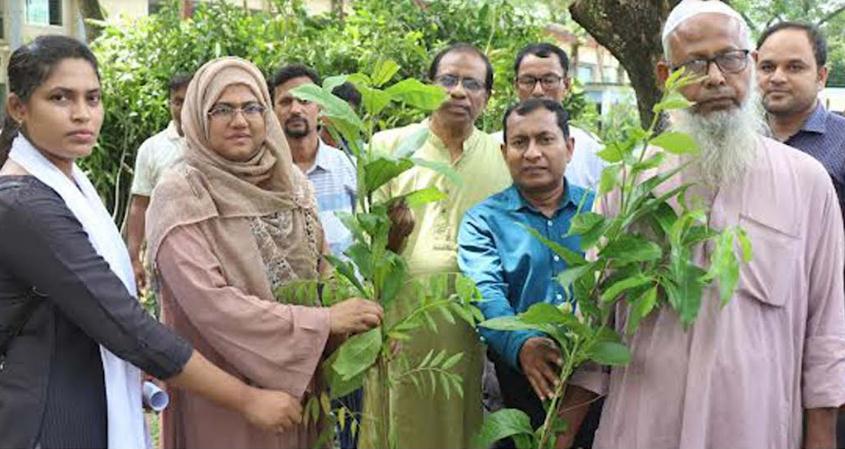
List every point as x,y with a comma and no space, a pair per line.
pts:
585,74
44,12
610,74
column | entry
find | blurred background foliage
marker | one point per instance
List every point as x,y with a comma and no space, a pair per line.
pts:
137,61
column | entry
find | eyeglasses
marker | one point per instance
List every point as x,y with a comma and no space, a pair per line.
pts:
450,81
250,111
733,61
547,81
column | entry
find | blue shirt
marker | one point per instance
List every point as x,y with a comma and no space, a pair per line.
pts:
334,178
823,137
511,268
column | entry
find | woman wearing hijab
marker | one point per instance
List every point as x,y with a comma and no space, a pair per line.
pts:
228,227
72,334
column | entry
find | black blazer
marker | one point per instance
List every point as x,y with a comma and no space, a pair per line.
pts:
51,385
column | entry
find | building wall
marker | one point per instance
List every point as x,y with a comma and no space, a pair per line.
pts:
125,8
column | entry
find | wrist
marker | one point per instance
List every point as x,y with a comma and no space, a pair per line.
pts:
244,398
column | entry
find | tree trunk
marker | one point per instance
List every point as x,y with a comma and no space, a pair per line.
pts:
91,9
630,30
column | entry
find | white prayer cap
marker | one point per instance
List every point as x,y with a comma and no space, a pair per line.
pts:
688,9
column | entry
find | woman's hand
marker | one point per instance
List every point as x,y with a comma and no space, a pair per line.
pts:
355,315
271,410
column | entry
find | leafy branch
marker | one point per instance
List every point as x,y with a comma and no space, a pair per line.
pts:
368,267
639,253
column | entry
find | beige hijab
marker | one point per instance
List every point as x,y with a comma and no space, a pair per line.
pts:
210,186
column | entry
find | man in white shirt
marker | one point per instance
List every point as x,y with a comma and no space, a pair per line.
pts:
542,71
154,156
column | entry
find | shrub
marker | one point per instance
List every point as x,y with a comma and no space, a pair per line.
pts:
138,60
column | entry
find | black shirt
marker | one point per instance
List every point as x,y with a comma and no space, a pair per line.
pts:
52,389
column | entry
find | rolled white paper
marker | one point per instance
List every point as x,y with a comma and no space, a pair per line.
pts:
154,397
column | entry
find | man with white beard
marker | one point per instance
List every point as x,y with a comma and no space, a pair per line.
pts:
768,369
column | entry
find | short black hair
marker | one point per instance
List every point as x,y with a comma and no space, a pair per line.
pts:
30,66
467,48
178,81
348,93
291,71
532,104
814,34
542,50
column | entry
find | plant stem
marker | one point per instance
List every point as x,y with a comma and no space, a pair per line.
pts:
560,390
385,403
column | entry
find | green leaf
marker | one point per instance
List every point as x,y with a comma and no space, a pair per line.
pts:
452,361
415,93
609,353
333,81
509,323
676,142
374,100
360,80
424,196
570,275
590,226
632,248
672,102
384,71
543,313
623,285
612,153
360,254
724,264
585,222
394,279
347,271
685,287
609,179
640,308
745,245
381,170
340,387
412,143
441,168
330,105
572,258
357,354
351,223
503,424
651,162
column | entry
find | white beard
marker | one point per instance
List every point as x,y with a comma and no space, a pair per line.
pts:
727,140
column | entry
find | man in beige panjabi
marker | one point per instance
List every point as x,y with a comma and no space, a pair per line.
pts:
768,369
417,418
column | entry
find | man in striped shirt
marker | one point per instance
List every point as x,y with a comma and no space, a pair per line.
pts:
330,170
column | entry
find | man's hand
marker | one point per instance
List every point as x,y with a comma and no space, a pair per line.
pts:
354,315
271,410
821,428
401,226
541,362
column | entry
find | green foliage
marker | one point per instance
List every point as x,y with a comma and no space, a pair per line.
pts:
641,255
370,268
137,61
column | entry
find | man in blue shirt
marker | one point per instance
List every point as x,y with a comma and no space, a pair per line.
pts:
791,72
514,270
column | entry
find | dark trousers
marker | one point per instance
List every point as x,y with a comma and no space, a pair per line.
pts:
517,393
352,402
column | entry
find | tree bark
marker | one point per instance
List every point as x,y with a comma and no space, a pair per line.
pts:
91,9
630,30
